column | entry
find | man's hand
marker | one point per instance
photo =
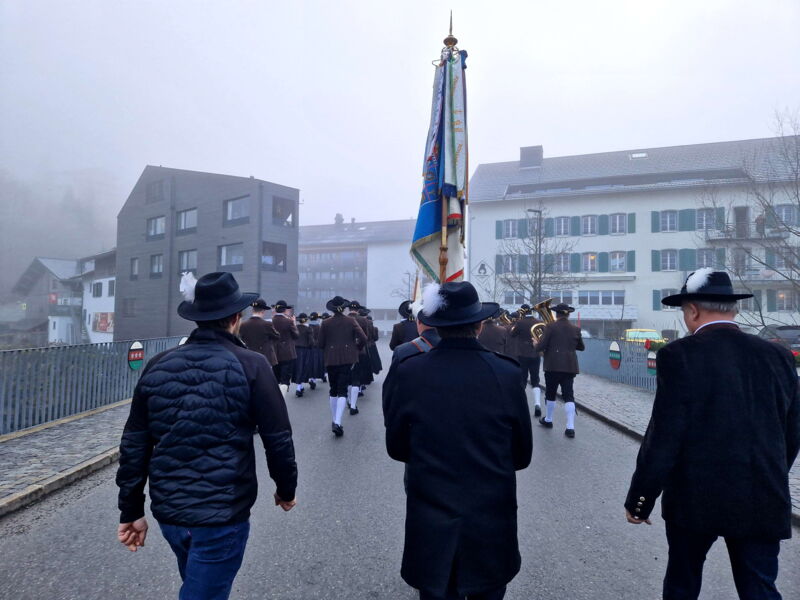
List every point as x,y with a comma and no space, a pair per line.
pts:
132,535
287,506
635,520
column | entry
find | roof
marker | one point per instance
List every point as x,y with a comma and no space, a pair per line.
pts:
641,168
355,233
61,268
193,172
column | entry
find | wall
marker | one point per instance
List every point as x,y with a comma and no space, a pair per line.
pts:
389,271
94,306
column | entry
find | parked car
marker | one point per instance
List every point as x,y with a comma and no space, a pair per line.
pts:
642,335
785,335
585,334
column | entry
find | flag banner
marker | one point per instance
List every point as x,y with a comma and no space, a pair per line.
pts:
444,172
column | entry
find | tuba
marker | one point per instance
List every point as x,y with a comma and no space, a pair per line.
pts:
543,308
505,319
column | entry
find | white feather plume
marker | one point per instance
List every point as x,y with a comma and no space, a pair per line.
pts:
698,279
432,299
188,281
415,307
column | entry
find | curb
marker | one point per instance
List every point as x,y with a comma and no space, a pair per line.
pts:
56,482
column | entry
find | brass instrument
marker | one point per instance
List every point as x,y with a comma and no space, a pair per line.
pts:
505,319
543,308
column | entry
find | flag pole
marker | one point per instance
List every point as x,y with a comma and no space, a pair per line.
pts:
450,43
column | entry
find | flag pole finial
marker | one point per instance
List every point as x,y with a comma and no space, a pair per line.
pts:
450,41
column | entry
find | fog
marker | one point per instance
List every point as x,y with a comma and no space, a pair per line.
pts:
334,97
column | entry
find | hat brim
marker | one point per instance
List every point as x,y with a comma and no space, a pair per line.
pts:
569,309
334,307
487,310
190,312
679,299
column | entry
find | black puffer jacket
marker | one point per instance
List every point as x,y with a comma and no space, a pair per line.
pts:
190,432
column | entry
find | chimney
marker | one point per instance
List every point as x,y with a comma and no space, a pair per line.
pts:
530,156
352,221
338,219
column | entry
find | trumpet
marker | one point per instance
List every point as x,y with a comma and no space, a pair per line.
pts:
543,308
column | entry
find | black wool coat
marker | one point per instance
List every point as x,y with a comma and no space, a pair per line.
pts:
460,420
402,332
724,432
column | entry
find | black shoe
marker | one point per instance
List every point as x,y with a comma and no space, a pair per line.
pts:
570,433
298,393
337,430
537,411
360,393
548,424
353,411
312,385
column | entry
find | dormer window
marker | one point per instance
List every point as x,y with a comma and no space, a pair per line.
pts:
637,155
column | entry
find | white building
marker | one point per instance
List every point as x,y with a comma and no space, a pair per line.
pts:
621,230
98,276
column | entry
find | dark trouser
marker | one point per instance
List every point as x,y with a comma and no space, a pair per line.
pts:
451,594
208,558
552,379
283,372
529,366
339,377
754,564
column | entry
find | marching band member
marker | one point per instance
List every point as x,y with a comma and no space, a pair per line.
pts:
258,334
494,336
527,357
405,330
285,351
318,361
362,371
304,362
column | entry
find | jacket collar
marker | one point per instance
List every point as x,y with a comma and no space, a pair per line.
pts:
714,325
460,343
210,336
432,336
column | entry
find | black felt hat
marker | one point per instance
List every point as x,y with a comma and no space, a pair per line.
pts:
562,308
454,303
325,315
337,304
705,284
281,305
215,296
525,308
260,304
313,316
302,317
364,311
405,309
355,305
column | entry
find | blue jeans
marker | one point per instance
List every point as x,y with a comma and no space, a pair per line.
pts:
754,564
208,558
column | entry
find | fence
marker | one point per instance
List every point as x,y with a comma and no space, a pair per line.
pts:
633,369
44,384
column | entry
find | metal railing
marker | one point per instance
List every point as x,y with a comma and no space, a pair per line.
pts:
596,360
39,385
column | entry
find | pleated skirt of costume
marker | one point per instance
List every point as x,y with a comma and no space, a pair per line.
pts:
303,366
362,370
374,359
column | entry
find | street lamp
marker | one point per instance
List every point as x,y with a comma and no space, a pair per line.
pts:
537,283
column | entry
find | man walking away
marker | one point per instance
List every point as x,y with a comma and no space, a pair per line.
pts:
285,349
459,419
723,435
258,333
190,434
559,344
493,336
527,356
405,330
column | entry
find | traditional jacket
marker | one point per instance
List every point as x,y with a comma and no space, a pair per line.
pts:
559,343
521,332
305,337
494,337
724,432
340,338
285,346
259,335
402,332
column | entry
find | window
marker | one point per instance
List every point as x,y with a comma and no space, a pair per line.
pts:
129,307
779,262
561,263
705,258
510,263
236,211
589,225
786,214
618,261
669,260
510,228
746,304
112,287
154,191
618,223
282,212
562,225
134,268
231,257
669,220
186,221
588,297
97,289
273,257
156,227
514,298
741,260
706,219
589,262
638,155
187,261
54,284
156,265
664,294
785,300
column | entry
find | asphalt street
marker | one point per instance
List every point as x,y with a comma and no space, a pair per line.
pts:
344,539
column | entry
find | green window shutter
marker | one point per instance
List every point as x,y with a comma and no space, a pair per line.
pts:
549,227
769,258
574,263
522,263
757,300
720,258
631,222
720,217
656,299
498,230
655,221
602,262
630,261
574,225
772,301
549,263
498,264
687,259
655,258
522,228
687,219
602,225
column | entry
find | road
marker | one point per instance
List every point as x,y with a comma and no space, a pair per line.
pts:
344,539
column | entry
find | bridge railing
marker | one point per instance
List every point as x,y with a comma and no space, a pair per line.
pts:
633,362
39,385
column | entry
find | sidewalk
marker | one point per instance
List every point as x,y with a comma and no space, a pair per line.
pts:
628,408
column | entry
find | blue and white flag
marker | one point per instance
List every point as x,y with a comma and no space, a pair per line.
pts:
444,172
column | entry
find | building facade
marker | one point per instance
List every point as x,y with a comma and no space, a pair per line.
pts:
98,281
176,221
613,233
368,262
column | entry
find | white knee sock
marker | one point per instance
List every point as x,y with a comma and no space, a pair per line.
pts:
353,397
333,408
551,407
537,396
299,387
569,408
340,403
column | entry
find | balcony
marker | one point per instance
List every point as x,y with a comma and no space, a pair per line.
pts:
745,231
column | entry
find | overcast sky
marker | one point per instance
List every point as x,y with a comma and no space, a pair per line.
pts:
333,97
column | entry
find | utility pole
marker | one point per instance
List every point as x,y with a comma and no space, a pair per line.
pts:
539,233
